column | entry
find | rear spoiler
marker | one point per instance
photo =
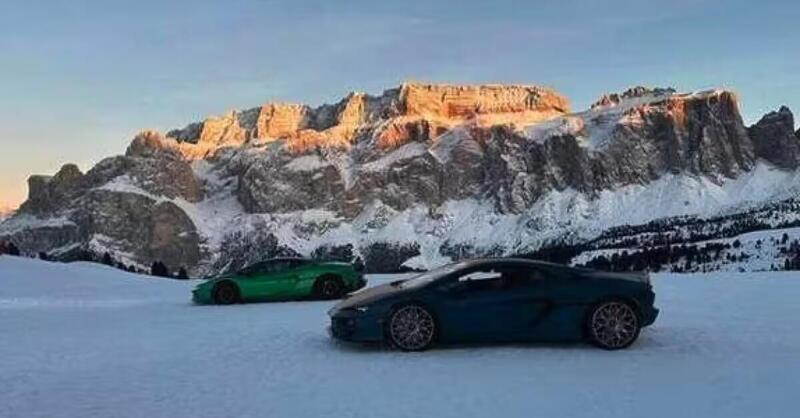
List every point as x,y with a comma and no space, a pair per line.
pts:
643,276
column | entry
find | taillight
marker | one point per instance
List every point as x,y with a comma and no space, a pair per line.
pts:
358,266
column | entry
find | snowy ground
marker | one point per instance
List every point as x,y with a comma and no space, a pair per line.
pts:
83,340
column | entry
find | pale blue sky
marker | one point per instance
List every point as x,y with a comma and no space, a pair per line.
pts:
79,78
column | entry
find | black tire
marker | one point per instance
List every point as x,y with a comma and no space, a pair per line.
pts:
328,287
226,293
411,327
613,324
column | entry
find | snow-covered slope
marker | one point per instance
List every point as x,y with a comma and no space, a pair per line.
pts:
5,212
474,227
83,340
763,250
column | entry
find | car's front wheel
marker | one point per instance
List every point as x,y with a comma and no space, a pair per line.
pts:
411,328
613,325
226,293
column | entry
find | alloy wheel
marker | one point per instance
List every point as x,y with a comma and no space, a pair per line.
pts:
412,328
614,325
225,294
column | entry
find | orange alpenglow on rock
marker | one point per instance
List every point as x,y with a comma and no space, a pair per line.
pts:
410,112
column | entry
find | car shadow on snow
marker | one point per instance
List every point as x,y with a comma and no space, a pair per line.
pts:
352,347
647,341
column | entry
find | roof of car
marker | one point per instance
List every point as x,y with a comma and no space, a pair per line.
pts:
637,276
510,260
270,260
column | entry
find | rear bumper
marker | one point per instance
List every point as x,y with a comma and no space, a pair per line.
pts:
649,316
360,283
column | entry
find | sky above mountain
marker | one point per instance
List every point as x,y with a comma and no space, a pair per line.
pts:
79,78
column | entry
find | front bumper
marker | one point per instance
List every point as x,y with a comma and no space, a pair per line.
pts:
351,325
201,295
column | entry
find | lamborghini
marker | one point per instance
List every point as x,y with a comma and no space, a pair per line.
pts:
499,300
281,279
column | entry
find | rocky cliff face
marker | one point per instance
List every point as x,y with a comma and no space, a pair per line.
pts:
775,139
418,175
411,110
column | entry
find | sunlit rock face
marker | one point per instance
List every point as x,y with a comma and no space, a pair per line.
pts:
410,112
700,134
419,172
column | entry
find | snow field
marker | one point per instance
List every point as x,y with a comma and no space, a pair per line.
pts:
84,340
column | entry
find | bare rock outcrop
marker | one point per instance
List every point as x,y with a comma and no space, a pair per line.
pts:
282,120
463,102
614,99
150,143
115,207
48,194
410,112
129,223
636,139
774,138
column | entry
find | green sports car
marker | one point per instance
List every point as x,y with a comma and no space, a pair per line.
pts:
281,279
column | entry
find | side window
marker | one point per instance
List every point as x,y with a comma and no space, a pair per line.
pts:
263,268
481,280
252,270
497,278
278,266
522,276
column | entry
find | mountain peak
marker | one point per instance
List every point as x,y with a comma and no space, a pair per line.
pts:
637,92
775,140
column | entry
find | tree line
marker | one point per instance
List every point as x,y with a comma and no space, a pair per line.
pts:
157,268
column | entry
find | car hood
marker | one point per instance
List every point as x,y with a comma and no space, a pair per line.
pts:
369,295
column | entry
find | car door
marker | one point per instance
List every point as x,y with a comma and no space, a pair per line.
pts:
292,277
274,281
530,294
497,303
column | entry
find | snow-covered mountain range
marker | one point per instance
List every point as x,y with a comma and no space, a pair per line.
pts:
423,174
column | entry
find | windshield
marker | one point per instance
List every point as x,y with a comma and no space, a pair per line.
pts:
431,275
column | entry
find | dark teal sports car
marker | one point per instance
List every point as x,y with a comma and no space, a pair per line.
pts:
497,300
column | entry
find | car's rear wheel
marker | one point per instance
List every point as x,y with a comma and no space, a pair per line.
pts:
226,293
411,328
329,286
613,325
